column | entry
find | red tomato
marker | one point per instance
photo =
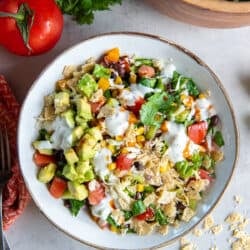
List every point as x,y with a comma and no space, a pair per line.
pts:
137,106
146,71
197,131
123,162
146,215
95,106
95,196
44,26
57,187
42,160
204,174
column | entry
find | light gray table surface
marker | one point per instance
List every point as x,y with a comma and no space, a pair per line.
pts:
226,51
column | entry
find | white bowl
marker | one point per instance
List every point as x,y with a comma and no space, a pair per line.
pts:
82,227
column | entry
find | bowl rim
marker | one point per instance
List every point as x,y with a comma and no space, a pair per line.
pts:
221,6
197,60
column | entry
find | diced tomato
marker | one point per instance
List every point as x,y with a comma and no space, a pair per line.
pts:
123,162
204,174
197,131
95,106
146,215
146,71
42,160
97,194
57,187
137,106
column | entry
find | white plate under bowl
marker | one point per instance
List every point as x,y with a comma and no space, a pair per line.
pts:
82,227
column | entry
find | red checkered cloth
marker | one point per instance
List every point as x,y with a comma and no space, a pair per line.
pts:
15,195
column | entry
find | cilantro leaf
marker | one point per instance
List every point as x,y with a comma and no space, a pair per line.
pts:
75,206
83,10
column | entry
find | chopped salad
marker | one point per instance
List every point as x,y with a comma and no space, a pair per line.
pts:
131,139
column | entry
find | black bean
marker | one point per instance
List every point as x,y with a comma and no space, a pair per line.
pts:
180,206
59,155
215,120
138,166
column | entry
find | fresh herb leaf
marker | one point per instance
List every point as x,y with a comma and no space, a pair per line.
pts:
127,215
111,221
138,207
185,169
160,217
148,82
75,206
218,138
83,11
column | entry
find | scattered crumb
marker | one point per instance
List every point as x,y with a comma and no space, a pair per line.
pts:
214,248
239,234
238,199
197,232
208,222
242,243
216,229
184,241
242,225
189,246
234,217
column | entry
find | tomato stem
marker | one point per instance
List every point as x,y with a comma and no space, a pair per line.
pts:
24,20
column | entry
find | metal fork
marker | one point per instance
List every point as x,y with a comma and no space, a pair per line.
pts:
5,174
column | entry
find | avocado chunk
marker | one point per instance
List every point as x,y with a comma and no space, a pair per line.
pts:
61,102
47,173
71,156
96,133
81,121
83,109
69,117
79,191
86,151
43,147
69,172
84,171
77,133
87,85
100,71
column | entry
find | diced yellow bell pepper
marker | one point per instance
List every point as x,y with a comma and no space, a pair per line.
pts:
113,55
103,83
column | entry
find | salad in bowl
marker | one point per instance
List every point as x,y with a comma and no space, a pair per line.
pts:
131,139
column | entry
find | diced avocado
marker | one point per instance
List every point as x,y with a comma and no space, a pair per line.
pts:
86,151
61,102
83,109
100,71
96,133
69,172
87,85
182,116
71,156
77,133
84,171
43,147
67,195
81,121
79,191
47,173
69,117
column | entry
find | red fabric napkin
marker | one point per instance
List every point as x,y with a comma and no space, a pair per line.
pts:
15,195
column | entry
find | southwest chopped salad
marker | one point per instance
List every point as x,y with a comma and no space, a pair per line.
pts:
131,139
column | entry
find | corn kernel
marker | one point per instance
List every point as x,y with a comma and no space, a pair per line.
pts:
124,150
111,148
140,187
140,131
132,118
119,138
140,138
113,229
164,168
103,83
202,95
164,126
131,144
112,166
132,78
118,80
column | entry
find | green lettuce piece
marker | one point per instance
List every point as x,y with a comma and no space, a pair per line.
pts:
100,71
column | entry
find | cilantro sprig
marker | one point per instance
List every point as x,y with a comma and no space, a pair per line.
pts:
83,10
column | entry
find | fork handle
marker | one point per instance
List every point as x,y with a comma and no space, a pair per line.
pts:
2,242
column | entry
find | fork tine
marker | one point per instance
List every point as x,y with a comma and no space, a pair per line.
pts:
7,148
